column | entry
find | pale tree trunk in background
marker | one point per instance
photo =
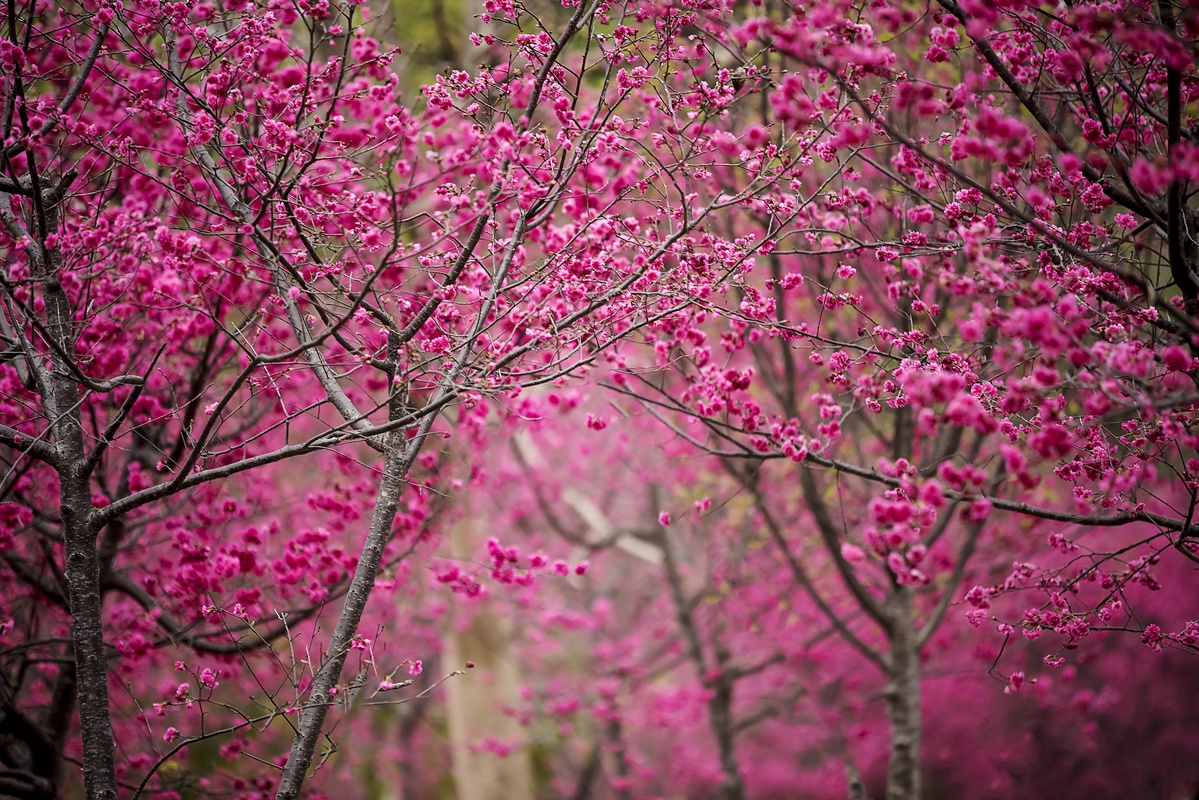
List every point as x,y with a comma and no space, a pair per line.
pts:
476,699
391,776
903,700
475,703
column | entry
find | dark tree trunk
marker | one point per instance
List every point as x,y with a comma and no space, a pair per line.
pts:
720,708
903,701
87,640
82,559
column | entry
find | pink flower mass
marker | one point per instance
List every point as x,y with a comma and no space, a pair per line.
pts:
584,398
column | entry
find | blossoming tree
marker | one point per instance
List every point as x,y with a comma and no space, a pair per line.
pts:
978,323
234,243
907,275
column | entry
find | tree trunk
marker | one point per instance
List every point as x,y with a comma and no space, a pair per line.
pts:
903,701
476,701
79,537
720,709
476,704
87,640
620,758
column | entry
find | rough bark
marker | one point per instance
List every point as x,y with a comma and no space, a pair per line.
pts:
903,700
87,641
82,559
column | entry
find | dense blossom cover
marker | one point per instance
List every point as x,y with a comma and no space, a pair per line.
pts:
788,395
